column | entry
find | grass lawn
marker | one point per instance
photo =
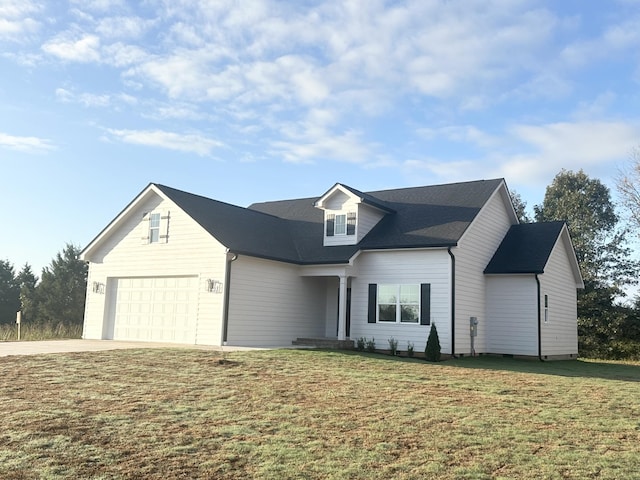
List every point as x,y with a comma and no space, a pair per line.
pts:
314,414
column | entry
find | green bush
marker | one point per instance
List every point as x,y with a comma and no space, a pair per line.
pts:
432,350
360,343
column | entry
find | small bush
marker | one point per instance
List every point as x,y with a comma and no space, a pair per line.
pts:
371,345
432,350
393,346
410,349
360,343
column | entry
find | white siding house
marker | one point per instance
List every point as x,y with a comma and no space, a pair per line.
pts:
178,267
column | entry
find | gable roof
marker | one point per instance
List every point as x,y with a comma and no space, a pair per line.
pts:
363,197
526,248
292,230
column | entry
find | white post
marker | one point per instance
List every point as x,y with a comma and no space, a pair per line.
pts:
18,322
342,308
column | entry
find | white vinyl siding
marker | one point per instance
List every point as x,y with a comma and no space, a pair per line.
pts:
272,305
512,315
402,267
559,334
190,252
474,251
368,218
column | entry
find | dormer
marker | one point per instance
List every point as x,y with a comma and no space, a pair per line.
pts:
349,215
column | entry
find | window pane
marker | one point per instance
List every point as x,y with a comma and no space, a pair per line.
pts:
409,294
409,313
154,235
340,227
387,313
154,222
387,293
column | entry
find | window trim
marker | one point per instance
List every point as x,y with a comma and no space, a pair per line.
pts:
398,304
154,228
340,221
546,308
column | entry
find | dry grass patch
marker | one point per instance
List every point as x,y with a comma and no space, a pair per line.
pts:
313,414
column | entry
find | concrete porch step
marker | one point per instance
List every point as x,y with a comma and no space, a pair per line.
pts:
324,343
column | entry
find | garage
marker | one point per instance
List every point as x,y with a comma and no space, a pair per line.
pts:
152,309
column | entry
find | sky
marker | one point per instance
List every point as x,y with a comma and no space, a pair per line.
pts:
248,101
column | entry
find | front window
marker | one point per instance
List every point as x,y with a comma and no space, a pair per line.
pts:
340,227
154,228
399,303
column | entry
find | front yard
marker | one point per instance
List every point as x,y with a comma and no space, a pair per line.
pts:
314,414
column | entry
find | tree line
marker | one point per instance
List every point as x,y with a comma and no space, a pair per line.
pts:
58,296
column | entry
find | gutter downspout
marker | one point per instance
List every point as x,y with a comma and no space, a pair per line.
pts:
453,302
227,292
539,322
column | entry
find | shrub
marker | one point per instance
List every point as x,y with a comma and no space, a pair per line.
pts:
393,346
432,350
410,349
360,343
371,345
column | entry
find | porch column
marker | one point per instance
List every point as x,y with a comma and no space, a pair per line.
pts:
342,307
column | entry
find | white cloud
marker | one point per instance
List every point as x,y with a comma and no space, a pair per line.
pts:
460,133
347,147
593,146
122,27
187,143
25,144
75,48
16,19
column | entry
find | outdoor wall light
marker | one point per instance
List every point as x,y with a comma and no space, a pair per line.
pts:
214,286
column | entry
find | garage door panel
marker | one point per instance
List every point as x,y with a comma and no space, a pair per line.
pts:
153,309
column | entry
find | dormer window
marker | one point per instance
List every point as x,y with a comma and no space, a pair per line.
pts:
341,224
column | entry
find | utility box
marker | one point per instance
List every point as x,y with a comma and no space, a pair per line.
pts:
473,326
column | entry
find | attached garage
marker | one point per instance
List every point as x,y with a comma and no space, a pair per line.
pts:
152,309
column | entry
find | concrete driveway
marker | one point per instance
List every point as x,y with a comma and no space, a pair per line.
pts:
62,346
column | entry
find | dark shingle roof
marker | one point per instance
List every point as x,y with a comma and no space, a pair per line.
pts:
292,230
525,248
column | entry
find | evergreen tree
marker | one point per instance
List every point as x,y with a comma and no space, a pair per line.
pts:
432,350
62,289
9,293
27,282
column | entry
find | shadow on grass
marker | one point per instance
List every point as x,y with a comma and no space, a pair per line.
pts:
565,368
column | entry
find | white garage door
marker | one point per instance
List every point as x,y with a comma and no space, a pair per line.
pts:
158,309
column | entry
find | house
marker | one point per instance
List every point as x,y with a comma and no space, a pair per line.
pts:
178,267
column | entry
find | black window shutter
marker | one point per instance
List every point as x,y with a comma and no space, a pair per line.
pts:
425,304
351,223
331,218
373,302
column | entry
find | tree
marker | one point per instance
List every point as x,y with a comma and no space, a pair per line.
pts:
600,244
9,293
432,349
27,282
520,206
62,289
628,186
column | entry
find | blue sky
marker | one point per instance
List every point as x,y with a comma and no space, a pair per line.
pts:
249,100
